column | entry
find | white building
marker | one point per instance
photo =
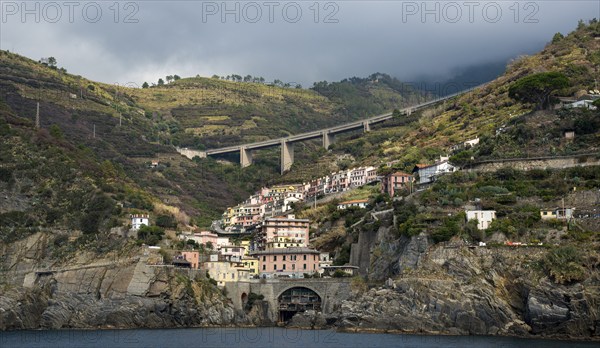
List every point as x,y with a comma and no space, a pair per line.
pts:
360,203
471,143
585,104
137,220
428,174
484,217
325,261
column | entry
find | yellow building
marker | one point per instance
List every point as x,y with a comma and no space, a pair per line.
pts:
250,263
226,271
246,245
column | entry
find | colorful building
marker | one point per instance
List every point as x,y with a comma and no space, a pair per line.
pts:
283,229
394,182
193,257
287,261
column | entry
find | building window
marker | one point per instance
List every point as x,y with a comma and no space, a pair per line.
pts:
284,266
264,258
304,266
274,267
304,257
264,267
274,257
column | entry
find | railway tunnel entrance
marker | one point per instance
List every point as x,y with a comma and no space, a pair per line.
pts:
296,300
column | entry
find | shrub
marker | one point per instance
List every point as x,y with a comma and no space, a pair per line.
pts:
564,265
150,235
166,221
252,298
447,231
339,274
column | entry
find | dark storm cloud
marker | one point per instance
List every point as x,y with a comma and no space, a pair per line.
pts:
300,41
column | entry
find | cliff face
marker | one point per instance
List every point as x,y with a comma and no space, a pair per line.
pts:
120,293
450,288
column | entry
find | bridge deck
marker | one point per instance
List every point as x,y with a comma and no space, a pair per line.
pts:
331,130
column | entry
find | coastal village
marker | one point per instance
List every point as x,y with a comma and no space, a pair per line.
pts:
261,238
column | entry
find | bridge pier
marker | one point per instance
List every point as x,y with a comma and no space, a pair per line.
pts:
328,139
366,126
245,157
287,155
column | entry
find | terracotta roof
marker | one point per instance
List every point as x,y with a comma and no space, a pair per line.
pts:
355,201
400,174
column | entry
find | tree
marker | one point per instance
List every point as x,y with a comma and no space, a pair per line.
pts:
52,62
166,221
150,235
557,37
538,88
169,78
596,103
161,82
145,85
462,158
209,245
56,132
176,77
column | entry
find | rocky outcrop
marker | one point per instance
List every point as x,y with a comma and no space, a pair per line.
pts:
127,294
458,290
308,320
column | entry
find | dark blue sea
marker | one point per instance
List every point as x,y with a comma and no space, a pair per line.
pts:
260,337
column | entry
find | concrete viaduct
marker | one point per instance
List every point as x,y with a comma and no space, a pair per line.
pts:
327,134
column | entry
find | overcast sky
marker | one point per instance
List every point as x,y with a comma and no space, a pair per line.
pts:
300,41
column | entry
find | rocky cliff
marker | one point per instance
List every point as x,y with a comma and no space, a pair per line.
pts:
447,288
112,292
451,288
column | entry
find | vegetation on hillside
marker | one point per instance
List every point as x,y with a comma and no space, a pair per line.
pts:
508,126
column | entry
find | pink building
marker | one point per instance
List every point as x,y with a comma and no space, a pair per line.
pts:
193,257
394,182
284,229
286,261
204,237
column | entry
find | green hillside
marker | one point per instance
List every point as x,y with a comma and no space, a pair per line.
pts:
508,128
90,125
129,128
525,131
209,112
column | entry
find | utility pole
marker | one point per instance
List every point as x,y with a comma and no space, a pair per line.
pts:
37,116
